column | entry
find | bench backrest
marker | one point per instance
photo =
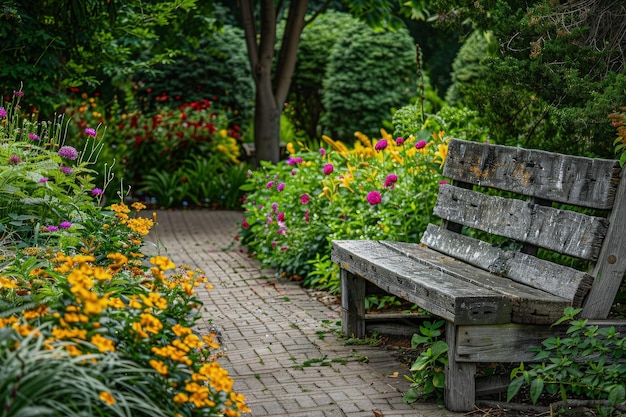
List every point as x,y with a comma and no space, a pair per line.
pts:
536,208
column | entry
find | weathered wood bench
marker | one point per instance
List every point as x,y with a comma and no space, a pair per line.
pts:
496,294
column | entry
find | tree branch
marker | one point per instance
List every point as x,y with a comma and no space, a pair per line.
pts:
249,26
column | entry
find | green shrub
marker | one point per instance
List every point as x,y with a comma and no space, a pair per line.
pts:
368,74
294,209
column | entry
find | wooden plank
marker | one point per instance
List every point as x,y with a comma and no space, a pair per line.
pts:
352,305
562,281
611,265
511,342
460,381
446,296
529,305
567,179
563,231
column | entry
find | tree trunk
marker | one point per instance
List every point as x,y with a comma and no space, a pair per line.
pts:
266,122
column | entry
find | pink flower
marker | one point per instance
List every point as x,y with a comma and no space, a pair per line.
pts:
391,180
304,198
280,217
306,215
374,197
443,182
328,169
323,151
51,229
270,184
33,136
380,145
91,132
245,224
65,225
68,152
97,192
66,170
294,161
421,144
274,207
274,243
18,93
44,179
293,172
280,186
14,160
249,173
3,113
399,141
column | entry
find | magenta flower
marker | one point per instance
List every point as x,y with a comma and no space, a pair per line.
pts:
421,144
274,207
374,197
44,179
280,217
51,229
3,113
68,152
245,224
294,161
97,192
306,215
391,180
304,198
270,184
323,151
91,132
66,170
443,182
380,145
328,169
33,136
18,93
14,160
399,141
280,186
65,225
274,244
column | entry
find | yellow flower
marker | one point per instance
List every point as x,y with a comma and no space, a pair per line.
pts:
7,283
180,330
440,154
120,208
102,343
210,341
159,366
107,397
163,262
138,206
181,398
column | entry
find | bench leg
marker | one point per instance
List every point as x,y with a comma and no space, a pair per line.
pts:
460,390
352,305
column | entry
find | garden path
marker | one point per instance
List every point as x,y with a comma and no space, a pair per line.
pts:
281,345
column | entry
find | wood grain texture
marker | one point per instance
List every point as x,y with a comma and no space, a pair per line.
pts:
559,280
563,231
460,382
567,179
528,304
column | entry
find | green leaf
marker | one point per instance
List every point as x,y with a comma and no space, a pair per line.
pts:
536,388
514,388
411,396
439,380
617,395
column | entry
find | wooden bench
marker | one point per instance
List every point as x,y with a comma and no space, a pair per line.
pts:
480,270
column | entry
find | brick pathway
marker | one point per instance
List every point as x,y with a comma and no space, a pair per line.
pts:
282,347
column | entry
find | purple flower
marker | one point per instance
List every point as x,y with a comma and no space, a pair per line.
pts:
391,180
380,145
421,144
293,172
67,170
270,184
33,136
328,169
304,198
96,192
51,229
280,217
249,173
18,93
65,225
3,112
280,186
91,132
14,160
68,152
274,207
294,161
274,244
374,197
44,179
323,151
443,182
399,141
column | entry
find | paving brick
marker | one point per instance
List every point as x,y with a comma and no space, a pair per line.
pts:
281,345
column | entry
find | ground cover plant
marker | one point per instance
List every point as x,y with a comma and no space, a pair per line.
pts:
88,324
